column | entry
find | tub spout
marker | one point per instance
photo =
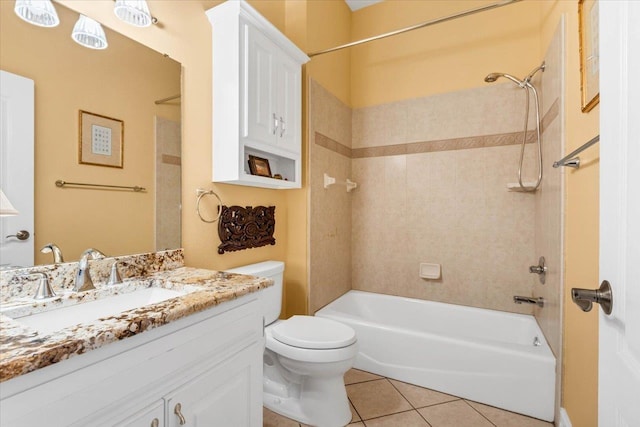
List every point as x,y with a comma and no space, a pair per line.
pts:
526,300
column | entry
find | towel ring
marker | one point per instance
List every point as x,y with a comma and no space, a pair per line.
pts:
201,193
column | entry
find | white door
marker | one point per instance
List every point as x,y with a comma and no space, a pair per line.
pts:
16,167
619,362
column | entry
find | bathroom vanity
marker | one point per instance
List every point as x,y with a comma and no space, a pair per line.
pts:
193,359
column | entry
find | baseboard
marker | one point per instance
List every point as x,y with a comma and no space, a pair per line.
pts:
564,419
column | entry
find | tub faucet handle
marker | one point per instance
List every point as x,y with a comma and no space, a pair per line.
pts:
540,269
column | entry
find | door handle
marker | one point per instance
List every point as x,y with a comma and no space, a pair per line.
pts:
585,298
20,235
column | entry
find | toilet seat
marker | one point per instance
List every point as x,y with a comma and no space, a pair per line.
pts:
313,333
348,349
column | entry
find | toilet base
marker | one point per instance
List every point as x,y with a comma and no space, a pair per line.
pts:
332,411
316,400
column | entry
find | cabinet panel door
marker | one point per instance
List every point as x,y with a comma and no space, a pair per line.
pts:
289,102
151,416
230,394
258,109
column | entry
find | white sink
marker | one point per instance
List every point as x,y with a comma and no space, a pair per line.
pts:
56,319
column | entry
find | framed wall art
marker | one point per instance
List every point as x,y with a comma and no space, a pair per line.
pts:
588,17
101,140
259,166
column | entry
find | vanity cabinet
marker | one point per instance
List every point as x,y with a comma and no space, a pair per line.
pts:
209,363
257,98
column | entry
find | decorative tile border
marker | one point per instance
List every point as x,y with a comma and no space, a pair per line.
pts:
481,141
171,160
333,145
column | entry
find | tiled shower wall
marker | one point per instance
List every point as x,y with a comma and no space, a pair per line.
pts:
548,200
168,176
432,178
435,191
330,221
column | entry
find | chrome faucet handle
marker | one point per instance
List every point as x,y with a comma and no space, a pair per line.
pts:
44,289
83,278
53,248
92,253
540,269
114,277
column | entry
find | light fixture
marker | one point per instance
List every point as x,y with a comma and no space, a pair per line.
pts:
134,12
89,33
37,12
6,208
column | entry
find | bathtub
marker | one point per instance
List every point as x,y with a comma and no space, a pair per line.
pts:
482,355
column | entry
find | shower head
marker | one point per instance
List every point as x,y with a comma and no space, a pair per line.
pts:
495,76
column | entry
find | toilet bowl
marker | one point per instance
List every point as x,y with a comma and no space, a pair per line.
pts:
305,358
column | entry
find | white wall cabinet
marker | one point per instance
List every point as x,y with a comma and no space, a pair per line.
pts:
257,98
210,363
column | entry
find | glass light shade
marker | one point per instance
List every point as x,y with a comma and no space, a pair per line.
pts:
134,12
89,33
37,12
6,208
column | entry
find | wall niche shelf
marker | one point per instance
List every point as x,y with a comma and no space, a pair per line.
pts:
257,98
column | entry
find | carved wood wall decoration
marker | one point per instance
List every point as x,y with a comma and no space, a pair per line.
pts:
245,228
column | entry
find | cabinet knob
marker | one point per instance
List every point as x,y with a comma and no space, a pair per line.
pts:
275,123
178,411
155,422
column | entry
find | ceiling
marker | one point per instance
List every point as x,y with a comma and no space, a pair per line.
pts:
359,4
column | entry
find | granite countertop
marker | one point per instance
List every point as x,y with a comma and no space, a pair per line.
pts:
23,350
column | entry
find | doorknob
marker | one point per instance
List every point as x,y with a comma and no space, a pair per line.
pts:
585,298
20,235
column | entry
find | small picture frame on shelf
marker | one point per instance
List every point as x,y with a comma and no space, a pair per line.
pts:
259,166
100,140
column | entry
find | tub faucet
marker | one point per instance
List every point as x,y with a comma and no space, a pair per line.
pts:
83,278
526,300
53,248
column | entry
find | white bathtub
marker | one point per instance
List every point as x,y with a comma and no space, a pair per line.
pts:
483,355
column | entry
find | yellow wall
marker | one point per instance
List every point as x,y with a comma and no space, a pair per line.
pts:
68,78
580,349
446,57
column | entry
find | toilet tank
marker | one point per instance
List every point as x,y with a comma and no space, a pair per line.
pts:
271,297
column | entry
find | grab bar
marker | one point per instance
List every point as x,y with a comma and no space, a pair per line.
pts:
60,183
570,160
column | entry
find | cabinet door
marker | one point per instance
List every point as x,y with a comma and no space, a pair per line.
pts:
151,416
258,106
289,104
229,394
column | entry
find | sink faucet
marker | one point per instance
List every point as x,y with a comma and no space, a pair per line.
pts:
83,278
538,301
57,253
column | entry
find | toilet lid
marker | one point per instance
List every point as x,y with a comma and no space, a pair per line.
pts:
313,333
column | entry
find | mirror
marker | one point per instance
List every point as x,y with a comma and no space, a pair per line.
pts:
121,83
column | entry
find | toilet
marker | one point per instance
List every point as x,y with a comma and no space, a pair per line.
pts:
305,358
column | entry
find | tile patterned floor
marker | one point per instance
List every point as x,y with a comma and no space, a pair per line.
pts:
382,402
